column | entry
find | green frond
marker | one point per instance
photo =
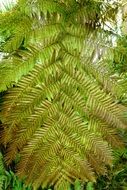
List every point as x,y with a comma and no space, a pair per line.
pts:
2,172
62,115
14,68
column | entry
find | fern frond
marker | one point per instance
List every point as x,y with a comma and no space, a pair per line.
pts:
2,172
61,116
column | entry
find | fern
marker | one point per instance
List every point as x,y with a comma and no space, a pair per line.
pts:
9,179
61,117
2,173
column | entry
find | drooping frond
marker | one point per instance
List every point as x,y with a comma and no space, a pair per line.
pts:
61,116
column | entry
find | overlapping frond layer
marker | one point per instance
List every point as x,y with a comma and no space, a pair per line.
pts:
60,117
